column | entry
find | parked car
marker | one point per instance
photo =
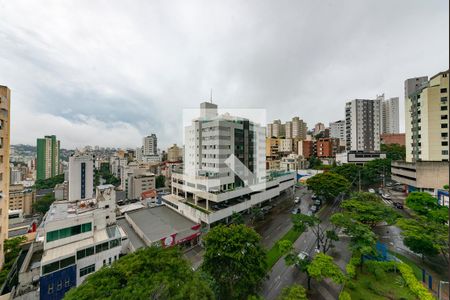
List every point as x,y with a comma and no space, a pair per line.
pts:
303,255
386,196
398,205
296,211
313,208
380,191
314,197
309,213
297,200
317,202
372,191
266,209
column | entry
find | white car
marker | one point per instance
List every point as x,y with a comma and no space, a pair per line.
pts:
297,200
303,255
386,196
372,191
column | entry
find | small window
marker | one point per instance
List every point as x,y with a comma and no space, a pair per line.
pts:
445,143
444,134
444,117
67,282
444,125
59,285
50,288
443,107
444,152
443,90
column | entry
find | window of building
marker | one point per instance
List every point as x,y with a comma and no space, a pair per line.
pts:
444,152
67,282
87,270
101,247
68,232
443,107
59,285
444,134
445,143
444,125
110,260
444,117
444,90
50,288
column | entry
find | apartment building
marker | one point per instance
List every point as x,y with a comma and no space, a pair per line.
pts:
363,123
337,131
174,153
426,118
81,176
427,140
75,239
150,145
390,115
5,105
318,128
294,129
224,168
326,147
393,138
47,161
139,182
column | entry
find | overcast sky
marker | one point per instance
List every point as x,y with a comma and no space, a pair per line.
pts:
109,72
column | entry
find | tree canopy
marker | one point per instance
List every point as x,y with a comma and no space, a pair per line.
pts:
422,203
323,266
150,273
328,185
235,259
394,151
48,183
160,181
293,292
367,209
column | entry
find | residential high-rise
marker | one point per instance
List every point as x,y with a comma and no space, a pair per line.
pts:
337,131
426,118
224,169
150,145
363,123
5,105
318,128
389,115
47,157
81,176
294,129
426,135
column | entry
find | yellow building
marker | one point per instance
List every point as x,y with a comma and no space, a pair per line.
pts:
174,153
21,198
272,145
5,98
426,118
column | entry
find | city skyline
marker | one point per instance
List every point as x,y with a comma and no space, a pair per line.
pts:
124,72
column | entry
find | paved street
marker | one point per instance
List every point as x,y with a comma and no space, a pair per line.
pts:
282,276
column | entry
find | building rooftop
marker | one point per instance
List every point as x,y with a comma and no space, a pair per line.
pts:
159,222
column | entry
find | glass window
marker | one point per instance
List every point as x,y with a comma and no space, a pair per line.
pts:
59,285
101,247
86,227
114,243
52,236
81,254
52,267
89,251
87,270
67,262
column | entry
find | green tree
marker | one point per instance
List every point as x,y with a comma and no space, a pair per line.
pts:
422,203
235,259
292,259
293,292
236,218
328,185
425,237
362,239
160,181
43,204
256,214
150,273
12,249
348,171
325,236
368,209
323,266
374,170
394,151
315,163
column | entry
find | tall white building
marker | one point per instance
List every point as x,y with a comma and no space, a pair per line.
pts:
224,168
81,176
390,115
363,123
337,130
150,145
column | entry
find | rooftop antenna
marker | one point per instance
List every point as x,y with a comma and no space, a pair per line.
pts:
210,97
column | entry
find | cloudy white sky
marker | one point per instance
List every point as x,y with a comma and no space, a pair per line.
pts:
108,72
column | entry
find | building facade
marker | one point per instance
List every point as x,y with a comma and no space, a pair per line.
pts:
5,105
390,115
139,182
337,131
21,198
150,145
363,123
294,129
174,153
394,138
81,176
47,157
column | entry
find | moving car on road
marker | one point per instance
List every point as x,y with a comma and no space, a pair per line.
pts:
386,196
398,205
303,255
